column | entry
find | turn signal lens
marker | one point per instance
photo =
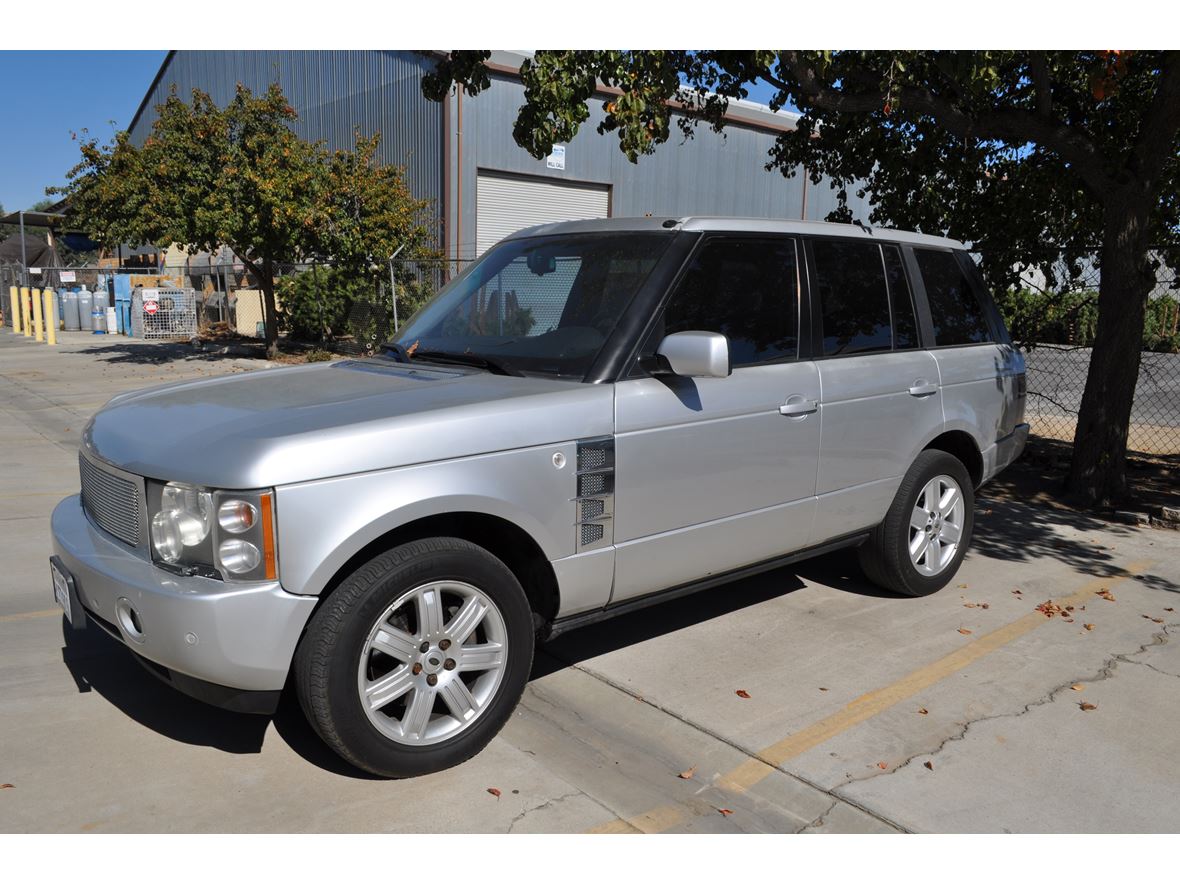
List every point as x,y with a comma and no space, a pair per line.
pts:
238,556
236,516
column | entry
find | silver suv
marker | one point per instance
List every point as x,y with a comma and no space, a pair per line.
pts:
595,417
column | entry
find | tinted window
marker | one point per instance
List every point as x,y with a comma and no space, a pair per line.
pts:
746,289
905,329
853,297
957,314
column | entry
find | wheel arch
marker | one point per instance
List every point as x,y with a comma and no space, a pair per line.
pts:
501,537
961,445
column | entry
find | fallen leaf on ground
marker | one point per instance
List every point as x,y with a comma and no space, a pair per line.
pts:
726,811
1105,594
1077,686
742,693
984,605
929,765
923,710
964,631
1088,706
882,765
1049,608
494,792
1088,626
822,688
1068,620
1154,620
962,586
7,787
687,775
1018,592
1169,609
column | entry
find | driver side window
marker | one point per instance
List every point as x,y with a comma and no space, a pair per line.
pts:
747,289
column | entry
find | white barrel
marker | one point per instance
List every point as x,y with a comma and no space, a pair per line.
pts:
112,321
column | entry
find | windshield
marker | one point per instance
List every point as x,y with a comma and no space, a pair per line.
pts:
537,305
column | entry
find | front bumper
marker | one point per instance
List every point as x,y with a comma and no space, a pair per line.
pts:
207,634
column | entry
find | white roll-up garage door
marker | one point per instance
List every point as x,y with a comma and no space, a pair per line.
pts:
505,204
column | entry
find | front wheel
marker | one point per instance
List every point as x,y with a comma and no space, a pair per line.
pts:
417,659
918,547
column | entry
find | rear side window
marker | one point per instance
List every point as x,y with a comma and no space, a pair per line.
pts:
746,289
957,315
853,297
905,328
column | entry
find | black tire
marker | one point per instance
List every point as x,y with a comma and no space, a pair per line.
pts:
885,556
327,661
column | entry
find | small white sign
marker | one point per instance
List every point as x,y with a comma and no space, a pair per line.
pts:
35,271
68,276
556,160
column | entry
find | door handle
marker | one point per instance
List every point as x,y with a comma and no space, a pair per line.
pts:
923,388
798,407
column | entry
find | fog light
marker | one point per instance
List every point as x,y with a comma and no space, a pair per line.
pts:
238,556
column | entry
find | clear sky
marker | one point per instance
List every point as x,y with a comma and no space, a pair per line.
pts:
44,96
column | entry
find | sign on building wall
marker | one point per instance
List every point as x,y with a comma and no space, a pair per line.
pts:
556,160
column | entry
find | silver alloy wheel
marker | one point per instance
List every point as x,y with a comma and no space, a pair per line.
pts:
936,525
432,663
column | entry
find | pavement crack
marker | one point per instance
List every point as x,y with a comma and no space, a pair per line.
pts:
1106,671
548,803
819,821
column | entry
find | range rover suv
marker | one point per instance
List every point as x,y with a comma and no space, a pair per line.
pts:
595,416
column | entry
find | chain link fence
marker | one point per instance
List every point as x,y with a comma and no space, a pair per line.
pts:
1052,316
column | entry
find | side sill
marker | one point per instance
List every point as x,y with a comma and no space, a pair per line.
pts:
573,622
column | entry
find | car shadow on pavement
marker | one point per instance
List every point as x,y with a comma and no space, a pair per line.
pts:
99,663
158,353
662,618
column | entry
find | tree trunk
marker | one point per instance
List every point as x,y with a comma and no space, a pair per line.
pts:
1098,472
270,309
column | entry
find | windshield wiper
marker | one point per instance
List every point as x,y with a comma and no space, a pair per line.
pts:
479,361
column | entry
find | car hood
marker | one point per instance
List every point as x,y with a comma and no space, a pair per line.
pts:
287,425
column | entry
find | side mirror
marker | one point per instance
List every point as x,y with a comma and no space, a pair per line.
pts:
696,354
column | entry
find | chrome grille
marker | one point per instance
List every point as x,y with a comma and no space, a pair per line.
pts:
111,501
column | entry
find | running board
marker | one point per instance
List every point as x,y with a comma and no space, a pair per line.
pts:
573,622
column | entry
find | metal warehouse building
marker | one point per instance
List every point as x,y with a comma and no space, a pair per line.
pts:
460,153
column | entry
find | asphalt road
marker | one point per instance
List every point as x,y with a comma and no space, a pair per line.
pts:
966,711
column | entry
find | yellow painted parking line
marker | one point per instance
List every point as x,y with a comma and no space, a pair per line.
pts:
27,616
768,760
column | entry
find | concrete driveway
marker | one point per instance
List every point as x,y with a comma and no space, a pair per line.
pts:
967,711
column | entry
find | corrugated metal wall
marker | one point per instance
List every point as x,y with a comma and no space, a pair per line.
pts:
334,93
709,174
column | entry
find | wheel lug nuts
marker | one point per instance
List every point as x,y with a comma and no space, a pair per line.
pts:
424,647
445,644
450,664
416,669
432,679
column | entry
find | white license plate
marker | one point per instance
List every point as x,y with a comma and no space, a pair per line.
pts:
61,591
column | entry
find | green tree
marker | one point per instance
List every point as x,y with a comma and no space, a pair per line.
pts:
1020,154
239,176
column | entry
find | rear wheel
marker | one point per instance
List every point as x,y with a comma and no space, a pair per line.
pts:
417,659
918,547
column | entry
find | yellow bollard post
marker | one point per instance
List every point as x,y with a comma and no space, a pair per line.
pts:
14,293
26,322
50,315
37,333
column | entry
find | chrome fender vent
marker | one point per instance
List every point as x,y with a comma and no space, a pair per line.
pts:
596,492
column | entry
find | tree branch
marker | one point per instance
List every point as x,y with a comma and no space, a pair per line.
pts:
1010,125
1161,122
1038,68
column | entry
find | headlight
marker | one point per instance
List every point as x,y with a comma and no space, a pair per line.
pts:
215,533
